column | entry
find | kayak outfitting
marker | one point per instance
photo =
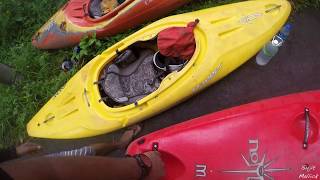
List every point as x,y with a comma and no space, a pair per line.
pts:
276,138
177,42
78,18
123,86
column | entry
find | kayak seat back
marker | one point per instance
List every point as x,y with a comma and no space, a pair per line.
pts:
95,9
99,8
127,83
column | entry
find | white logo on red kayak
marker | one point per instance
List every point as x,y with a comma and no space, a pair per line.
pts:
201,170
259,169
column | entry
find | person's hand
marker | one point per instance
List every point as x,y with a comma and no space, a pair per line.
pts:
157,170
27,148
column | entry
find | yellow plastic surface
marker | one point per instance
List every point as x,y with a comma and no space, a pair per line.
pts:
226,37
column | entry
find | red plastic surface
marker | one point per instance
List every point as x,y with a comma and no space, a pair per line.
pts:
261,140
143,10
120,19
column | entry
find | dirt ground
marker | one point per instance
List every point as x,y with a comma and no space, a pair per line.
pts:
296,68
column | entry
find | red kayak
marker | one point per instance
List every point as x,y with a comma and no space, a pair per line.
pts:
271,139
78,18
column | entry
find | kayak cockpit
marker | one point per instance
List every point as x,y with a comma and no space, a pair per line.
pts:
135,73
101,9
139,69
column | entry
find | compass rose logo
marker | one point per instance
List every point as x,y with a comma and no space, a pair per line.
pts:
258,170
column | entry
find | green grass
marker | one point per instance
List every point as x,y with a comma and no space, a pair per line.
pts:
41,69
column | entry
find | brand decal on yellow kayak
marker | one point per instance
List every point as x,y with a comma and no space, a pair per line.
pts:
247,19
209,78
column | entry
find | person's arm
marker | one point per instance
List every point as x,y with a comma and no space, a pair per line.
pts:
8,154
83,168
73,168
15,152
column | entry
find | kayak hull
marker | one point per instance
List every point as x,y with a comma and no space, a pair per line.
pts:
72,22
261,140
225,39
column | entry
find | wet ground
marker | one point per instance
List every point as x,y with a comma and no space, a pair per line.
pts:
296,68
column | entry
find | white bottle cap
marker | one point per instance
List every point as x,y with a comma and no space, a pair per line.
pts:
275,42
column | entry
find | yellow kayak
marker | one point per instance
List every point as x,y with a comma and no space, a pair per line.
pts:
226,37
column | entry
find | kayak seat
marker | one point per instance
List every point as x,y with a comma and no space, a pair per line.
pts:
99,8
127,57
127,81
95,9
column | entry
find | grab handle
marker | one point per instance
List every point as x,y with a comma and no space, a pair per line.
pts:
307,128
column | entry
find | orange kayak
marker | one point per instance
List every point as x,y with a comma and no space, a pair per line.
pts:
78,18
